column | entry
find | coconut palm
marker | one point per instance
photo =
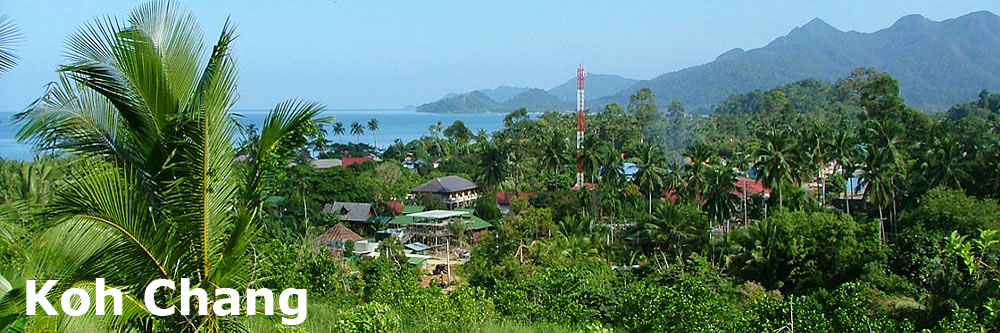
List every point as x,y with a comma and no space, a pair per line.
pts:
775,161
10,36
554,151
652,172
944,163
681,228
700,156
358,130
373,126
157,194
338,129
816,145
845,151
494,164
719,198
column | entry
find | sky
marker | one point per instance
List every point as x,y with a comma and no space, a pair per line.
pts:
390,54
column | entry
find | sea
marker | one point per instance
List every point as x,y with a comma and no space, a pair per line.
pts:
405,125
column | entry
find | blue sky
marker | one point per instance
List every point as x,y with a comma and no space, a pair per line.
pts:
387,54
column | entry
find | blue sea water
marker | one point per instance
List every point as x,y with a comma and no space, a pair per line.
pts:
405,125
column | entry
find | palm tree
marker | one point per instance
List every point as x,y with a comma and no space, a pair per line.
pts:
652,173
845,150
879,173
156,194
373,126
554,151
494,164
775,161
719,197
681,228
816,147
338,129
701,156
358,130
944,163
10,36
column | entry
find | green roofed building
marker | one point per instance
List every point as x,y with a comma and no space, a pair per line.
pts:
410,209
429,226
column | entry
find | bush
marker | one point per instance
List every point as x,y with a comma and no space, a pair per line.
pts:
371,317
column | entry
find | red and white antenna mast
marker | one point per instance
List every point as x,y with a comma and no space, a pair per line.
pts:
581,75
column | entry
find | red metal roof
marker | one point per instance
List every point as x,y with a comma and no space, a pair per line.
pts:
504,198
396,206
348,161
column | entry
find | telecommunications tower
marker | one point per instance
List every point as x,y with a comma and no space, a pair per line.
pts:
581,74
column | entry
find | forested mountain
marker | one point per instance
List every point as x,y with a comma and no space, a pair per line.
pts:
938,64
506,98
598,86
503,93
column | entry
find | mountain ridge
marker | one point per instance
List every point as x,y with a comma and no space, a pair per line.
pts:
937,63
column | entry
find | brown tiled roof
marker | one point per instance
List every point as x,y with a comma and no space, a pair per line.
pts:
338,233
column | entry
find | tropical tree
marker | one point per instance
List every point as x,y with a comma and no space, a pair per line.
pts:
719,197
699,157
10,36
846,151
158,194
319,143
816,144
943,162
373,126
554,151
677,229
339,130
883,166
775,161
651,177
494,165
358,130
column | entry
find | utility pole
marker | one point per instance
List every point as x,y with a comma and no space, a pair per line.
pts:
581,74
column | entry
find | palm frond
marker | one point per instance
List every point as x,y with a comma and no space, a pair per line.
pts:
10,36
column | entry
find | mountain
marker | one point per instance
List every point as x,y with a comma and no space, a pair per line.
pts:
503,93
506,98
537,100
938,64
473,102
598,86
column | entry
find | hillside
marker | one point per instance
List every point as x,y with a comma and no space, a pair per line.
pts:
938,64
506,98
598,86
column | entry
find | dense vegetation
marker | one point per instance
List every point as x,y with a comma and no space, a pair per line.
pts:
144,183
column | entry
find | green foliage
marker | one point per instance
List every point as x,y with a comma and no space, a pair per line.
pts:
943,210
689,306
370,317
567,295
803,252
487,209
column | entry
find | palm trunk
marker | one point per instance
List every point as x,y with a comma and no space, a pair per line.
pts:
881,226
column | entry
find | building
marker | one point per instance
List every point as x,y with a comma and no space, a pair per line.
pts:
504,199
354,213
454,191
326,163
337,237
349,161
432,227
